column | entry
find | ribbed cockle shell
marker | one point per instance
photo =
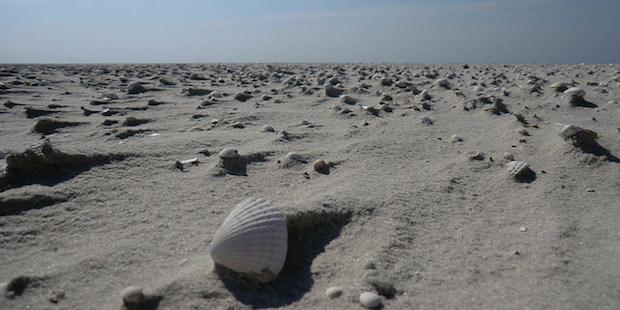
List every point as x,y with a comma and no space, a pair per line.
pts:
253,240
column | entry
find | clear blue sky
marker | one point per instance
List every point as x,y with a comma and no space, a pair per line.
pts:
422,31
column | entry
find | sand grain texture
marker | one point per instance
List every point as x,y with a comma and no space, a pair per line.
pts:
396,208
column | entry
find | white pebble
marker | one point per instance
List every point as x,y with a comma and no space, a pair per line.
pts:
456,138
370,300
523,229
333,292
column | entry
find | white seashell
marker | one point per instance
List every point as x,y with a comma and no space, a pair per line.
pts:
370,300
559,86
295,156
252,240
575,92
517,168
132,295
228,153
442,82
333,292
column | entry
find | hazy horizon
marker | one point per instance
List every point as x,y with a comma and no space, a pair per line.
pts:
503,31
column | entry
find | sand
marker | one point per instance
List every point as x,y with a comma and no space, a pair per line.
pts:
109,184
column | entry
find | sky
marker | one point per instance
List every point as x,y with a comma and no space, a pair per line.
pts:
416,31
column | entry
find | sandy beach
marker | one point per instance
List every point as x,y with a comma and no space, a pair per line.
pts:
112,179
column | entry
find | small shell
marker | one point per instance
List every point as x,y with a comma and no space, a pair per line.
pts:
252,240
320,166
228,153
568,131
370,300
559,86
509,156
474,155
333,292
517,168
575,91
347,99
132,295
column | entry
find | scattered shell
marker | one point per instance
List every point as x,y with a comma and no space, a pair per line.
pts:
568,131
370,300
182,164
474,155
517,168
295,156
347,99
426,120
442,82
559,86
228,153
579,136
252,240
370,265
333,292
509,156
523,229
238,125
425,95
135,88
575,92
132,295
269,128
320,166
242,96
456,138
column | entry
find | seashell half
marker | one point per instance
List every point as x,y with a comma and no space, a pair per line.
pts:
517,168
253,240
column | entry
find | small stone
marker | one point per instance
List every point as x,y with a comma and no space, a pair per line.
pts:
523,229
333,292
508,156
456,138
269,128
370,265
132,295
590,190
228,153
524,132
370,300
